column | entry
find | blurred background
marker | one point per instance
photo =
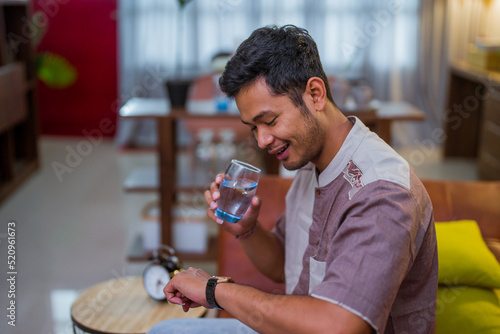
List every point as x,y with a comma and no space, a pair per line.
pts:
112,124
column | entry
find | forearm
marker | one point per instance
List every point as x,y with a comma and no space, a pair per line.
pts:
266,253
268,313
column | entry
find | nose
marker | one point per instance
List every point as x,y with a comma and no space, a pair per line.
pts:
264,138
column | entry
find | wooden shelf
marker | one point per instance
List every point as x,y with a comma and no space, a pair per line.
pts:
13,104
138,254
174,174
398,111
475,73
142,179
159,107
18,114
31,84
145,108
137,149
146,179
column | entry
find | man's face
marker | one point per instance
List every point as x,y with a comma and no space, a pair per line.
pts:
279,126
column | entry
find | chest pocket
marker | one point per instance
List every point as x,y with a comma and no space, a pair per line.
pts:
316,273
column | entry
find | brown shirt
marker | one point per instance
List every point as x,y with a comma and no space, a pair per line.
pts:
361,235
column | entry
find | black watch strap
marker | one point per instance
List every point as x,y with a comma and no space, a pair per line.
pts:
210,293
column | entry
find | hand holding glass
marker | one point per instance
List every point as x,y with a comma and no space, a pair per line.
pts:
236,191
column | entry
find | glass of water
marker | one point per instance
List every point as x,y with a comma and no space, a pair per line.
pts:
236,191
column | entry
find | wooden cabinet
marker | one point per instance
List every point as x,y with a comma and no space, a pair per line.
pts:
18,116
489,143
472,117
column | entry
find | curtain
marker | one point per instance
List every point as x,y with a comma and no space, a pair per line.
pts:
426,87
378,41
470,19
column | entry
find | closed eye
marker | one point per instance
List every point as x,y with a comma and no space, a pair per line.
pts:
271,122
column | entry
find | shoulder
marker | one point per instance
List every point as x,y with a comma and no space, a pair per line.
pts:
377,161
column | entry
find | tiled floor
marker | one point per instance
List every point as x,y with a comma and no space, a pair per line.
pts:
75,230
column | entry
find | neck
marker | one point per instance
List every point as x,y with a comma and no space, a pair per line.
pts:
337,127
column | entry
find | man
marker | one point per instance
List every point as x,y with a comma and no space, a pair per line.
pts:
356,245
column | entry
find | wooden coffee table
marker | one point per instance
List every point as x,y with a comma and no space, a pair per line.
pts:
122,306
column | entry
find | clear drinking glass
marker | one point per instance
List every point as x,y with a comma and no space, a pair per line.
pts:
236,191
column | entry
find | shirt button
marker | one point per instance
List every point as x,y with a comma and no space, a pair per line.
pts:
318,192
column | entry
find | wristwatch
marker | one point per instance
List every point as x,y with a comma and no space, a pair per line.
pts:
210,290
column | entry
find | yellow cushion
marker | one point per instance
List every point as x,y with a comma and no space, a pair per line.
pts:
465,309
464,258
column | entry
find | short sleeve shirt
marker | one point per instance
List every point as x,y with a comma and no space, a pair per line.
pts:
361,235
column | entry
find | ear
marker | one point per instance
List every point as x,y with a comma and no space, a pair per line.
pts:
316,91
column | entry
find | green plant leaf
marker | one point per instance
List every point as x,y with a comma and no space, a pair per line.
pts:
55,71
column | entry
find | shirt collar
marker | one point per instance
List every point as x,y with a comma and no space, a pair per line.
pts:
349,146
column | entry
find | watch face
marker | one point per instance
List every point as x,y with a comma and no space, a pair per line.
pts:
155,278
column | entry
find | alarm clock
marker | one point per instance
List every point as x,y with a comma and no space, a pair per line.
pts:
159,272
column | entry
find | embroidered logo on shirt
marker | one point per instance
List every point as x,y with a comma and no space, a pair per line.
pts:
353,174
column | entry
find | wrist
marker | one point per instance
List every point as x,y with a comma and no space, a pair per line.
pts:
248,233
210,289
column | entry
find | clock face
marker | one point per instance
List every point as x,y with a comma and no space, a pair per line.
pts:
155,278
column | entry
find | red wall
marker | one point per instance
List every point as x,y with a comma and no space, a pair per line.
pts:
85,33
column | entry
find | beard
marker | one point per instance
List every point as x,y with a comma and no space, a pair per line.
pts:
310,138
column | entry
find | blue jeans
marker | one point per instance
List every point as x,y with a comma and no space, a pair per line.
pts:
200,325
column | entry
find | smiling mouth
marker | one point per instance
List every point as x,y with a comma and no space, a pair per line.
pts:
283,149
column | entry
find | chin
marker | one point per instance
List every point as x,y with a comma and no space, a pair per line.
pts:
294,165
311,156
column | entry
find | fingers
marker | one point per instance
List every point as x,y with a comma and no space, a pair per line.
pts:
174,299
254,208
211,210
173,296
214,190
211,201
186,303
187,288
190,304
211,196
219,178
180,299
214,186
211,215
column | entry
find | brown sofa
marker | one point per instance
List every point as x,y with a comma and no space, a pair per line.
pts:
452,200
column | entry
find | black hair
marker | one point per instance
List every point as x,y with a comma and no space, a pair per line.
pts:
286,57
